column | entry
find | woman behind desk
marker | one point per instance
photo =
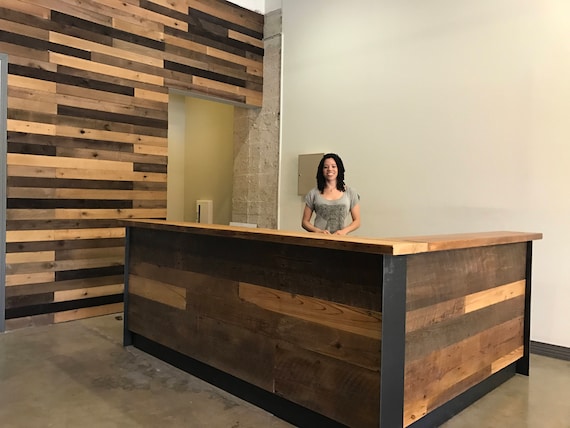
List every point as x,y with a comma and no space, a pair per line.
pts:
331,200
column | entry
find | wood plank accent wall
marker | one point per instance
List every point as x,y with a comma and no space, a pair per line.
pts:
87,132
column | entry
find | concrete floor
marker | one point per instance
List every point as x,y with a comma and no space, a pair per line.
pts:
78,374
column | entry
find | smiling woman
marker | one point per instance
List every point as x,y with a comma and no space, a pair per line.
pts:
332,200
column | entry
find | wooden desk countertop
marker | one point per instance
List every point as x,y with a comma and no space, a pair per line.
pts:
390,246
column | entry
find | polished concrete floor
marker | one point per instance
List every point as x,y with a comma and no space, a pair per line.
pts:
78,374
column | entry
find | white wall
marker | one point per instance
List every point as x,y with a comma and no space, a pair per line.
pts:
451,116
255,5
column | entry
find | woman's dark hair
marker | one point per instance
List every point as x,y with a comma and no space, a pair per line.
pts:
340,177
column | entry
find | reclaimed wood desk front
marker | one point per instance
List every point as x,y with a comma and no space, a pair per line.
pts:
333,330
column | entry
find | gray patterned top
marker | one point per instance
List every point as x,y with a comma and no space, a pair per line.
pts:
331,215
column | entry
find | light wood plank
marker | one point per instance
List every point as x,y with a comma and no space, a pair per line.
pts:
131,13
29,278
29,235
30,127
82,313
119,137
31,9
63,162
30,105
81,9
151,95
495,295
31,84
64,213
86,293
177,5
153,33
336,315
73,213
507,359
35,256
83,44
22,29
83,174
94,233
232,34
64,234
150,150
110,70
30,171
161,292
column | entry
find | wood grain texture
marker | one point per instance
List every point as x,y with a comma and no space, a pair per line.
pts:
86,293
88,118
94,311
232,316
464,320
338,316
218,298
228,258
314,335
347,394
158,291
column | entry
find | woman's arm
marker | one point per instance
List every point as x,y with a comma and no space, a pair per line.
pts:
306,222
355,214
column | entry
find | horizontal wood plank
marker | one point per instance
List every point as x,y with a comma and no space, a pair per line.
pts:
95,311
158,291
86,293
335,315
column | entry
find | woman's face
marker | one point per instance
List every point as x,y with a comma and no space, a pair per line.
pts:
330,170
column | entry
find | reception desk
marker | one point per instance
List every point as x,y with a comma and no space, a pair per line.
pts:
332,331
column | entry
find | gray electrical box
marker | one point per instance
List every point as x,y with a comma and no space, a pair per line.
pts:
307,172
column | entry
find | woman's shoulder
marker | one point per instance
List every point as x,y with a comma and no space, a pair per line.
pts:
312,195
349,189
351,192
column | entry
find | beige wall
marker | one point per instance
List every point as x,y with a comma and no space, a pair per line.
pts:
450,117
200,165
176,157
208,157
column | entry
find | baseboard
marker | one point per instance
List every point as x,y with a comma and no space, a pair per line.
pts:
553,351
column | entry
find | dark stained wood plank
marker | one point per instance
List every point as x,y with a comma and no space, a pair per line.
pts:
444,373
263,263
328,386
219,299
209,341
441,276
443,334
28,300
229,12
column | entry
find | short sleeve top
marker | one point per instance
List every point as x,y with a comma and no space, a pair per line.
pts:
331,215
